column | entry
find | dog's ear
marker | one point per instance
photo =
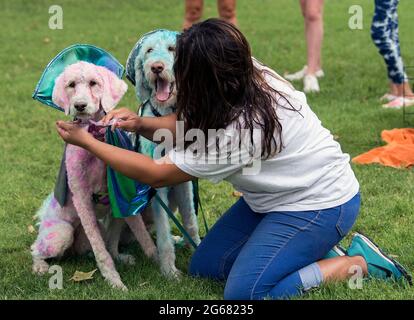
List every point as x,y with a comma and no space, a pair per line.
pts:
141,89
59,96
113,89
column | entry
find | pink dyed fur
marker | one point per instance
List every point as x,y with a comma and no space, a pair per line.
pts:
100,90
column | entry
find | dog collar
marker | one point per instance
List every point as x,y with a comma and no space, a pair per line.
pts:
154,110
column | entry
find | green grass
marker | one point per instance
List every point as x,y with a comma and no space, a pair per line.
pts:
31,150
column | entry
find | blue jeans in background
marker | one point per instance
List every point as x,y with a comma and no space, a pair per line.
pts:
260,255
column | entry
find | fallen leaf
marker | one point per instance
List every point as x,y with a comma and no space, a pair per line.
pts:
31,229
394,256
237,194
46,40
79,276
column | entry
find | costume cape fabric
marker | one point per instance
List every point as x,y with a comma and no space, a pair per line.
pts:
127,197
68,56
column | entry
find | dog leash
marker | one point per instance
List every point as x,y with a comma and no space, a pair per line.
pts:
195,186
175,220
197,194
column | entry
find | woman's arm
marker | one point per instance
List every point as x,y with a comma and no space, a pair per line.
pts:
145,126
131,164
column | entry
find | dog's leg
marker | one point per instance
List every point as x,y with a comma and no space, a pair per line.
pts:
137,226
165,242
55,237
55,234
114,231
81,243
185,200
84,207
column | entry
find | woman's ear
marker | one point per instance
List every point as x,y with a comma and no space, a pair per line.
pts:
59,96
113,89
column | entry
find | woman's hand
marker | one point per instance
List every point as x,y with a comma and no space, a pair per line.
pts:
72,133
129,120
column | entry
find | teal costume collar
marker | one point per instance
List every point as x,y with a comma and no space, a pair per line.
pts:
130,63
70,55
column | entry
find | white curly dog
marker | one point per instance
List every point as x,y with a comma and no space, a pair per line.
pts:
150,69
85,91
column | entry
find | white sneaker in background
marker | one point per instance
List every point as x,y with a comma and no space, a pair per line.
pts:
301,74
399,102
310,84
388,97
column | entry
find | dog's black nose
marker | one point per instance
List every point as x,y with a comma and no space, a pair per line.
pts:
80,106
157,67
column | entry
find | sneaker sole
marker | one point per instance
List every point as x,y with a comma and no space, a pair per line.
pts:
377,249
384,106
406,105
340,251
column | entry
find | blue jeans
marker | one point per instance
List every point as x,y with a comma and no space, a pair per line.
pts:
260,255
384,33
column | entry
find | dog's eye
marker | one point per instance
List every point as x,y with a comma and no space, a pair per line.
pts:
72,84
149,50
171,48
92,83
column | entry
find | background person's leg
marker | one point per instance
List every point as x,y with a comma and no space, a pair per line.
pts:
216,253
227,10
384,33
381,33
313,14
404,89
193,12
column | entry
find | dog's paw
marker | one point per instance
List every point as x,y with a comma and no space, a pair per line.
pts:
40,267
188,245
152,253
116,282
126,259
155,257
177,239
118,285
171,272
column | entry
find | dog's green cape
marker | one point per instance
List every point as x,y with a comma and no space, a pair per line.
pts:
127,197
68,56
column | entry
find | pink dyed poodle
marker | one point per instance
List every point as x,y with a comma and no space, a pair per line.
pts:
85,91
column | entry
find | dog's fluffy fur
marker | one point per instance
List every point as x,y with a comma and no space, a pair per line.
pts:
155,82
85,91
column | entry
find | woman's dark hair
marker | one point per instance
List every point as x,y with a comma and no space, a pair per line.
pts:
217,84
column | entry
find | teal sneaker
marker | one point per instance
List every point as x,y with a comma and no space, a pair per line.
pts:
380,265
336,251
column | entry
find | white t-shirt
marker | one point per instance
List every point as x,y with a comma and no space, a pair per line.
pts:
310,173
